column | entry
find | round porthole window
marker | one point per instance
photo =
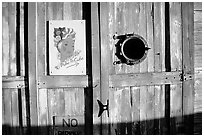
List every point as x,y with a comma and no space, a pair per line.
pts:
130,49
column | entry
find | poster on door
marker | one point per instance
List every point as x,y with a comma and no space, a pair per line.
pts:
67,47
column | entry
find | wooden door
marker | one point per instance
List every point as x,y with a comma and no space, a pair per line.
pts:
57,101
153,97
156,95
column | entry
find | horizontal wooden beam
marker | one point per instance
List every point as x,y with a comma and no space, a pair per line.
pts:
13,82
62,81
141,79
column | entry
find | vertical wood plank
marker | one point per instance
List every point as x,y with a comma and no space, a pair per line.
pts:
22,60
51,103
7,111
159,59
176,65
24,110
95,66
12,38
120,29
188,67
150,62
143,69
56,106
67,10
115,110
135,110
105,63
74,103
126,125
41,63
41,37
5,39
32,65
176,109
15,111
42,111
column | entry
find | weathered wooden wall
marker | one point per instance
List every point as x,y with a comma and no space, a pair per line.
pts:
13,69
145,109
134,109
198,67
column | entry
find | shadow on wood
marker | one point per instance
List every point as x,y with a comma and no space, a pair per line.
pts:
122,128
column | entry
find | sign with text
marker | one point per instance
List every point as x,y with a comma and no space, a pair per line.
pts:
67,47
68,125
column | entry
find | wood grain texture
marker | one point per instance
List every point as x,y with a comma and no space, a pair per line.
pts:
15,111
95,66
62,81
197,70
138,79
32,65
5,39
176,65
188,65
22,58
12,38
143,69
105,62
7,116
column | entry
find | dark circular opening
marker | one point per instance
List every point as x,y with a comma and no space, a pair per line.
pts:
134,48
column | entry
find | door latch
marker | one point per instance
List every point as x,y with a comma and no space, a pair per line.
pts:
103,107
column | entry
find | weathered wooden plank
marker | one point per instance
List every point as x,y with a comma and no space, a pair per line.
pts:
120,20
32,65
5,38
23,100
176,64
188,67
126,125
75,104
159,94
7,116
175,36
62,81
151,61
198,17
12,38
198,56
15,111
95,66
176,122
198,38
198,91
159,53
105,62
12,78
13,82
51,103
143,69
56,106
197,27
135,110
22,60
115,110
197,5
41,37
42,111
137,79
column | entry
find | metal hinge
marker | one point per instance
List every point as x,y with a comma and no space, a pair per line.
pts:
185,77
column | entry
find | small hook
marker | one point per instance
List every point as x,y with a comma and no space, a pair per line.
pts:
103,107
